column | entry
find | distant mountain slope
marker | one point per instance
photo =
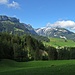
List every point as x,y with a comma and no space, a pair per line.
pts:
6,18
13,28
12,25
55,32
30,28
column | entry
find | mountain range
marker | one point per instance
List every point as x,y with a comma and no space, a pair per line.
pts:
55,32
12,25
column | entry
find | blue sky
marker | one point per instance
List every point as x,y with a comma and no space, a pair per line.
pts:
39,13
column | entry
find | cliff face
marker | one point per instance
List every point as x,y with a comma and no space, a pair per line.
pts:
5,18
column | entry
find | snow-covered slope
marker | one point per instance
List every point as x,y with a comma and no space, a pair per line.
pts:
55,32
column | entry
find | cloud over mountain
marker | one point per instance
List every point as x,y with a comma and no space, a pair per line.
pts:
13,4
63,24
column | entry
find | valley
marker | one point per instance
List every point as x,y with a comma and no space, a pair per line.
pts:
28,51
37,37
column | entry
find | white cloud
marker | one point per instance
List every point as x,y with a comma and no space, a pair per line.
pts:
64,24
13,4
4,1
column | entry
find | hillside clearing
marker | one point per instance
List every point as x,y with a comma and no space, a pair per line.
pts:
57,42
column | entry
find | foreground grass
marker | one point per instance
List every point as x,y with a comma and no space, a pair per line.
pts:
60,42
58,67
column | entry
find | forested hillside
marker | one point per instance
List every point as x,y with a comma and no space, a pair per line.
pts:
19,48
26,48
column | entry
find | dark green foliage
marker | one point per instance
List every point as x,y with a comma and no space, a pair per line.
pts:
10,47
72,53
63,53
25,48
34,46
6,49
19,48
41,38
52,53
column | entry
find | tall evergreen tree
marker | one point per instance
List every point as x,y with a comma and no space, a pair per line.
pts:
52,53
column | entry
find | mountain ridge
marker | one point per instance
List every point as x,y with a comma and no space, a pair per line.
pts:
55,32
8,23
12,25
6,18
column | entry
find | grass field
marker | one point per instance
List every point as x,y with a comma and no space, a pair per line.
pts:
60,42
55,67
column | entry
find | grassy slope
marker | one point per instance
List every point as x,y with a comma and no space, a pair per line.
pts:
56,67
60,42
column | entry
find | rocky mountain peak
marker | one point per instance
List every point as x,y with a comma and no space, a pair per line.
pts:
55,32
6,18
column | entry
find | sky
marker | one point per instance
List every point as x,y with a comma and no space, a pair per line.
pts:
41,13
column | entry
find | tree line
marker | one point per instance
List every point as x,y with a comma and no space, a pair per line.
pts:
26,48
19,48
65,53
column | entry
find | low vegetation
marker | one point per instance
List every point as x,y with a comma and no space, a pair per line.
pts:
59,42
59,67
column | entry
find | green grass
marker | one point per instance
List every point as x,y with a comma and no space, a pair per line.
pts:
60,42
16,29
55,67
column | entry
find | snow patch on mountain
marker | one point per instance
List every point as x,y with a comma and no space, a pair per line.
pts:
55,32
63,37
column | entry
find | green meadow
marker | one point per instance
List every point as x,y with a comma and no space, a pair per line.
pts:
53,67
55,42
